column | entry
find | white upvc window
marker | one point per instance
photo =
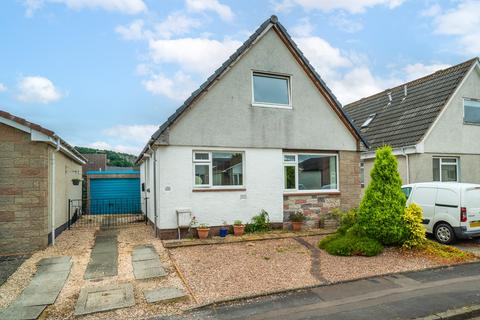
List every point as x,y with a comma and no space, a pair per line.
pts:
218,169
471,111
445,169
271,90
310,172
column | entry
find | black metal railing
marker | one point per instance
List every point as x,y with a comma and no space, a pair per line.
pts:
108,212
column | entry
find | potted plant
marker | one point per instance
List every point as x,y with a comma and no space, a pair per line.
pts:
203,231
224,230
76,181
297,220
238,228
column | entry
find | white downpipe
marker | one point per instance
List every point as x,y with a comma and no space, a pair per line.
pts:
407,164
154,189
53,190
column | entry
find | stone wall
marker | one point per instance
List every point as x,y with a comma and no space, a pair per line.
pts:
23,192
317,205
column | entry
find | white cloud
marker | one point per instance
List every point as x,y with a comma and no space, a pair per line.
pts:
38,90
303,29
131,133
418,70
351,6
199,55
3,87
345,24
177,88
176,24
123,6
133,31
222,10
432,11
462,22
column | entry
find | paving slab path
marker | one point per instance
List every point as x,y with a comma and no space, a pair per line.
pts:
105,298
167,294
146,263
42,290
104,256
10,264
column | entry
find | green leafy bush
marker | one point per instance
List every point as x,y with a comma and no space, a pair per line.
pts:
259,223
412,218
347,220
381,210
350,244
298,216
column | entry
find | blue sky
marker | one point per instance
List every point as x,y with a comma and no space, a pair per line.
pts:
107,73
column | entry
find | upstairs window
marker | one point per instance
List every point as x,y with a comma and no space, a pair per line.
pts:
271,90
471,111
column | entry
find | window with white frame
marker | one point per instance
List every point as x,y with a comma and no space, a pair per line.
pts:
270,90
471,111
445,169
217,169
310,172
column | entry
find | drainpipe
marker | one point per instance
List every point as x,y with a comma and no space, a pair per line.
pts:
154,188
53,191
407,163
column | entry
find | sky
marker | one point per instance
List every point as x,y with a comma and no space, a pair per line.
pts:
107,73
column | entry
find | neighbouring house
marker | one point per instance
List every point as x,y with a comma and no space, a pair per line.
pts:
95,162
39,172
263,132
432,124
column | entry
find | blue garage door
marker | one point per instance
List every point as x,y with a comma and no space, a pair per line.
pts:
115,196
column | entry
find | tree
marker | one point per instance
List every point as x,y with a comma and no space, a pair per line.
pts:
381,210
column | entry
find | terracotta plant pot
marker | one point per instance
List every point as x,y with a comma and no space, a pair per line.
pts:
238,230
297,225
203,233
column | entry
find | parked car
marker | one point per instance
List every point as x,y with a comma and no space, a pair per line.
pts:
451,210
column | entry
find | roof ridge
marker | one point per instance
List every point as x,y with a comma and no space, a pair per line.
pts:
417,80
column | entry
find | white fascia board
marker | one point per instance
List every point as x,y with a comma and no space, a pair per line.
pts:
15,125
396,152
475,66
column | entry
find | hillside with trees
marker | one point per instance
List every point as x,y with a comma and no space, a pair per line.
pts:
114,158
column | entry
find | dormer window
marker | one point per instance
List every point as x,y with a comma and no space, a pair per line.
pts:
271,90
369,120
471,114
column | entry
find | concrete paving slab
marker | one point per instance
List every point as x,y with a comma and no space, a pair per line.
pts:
142,274
104,256
54,260
168,294
19,312
146,263
10,264
351,289
104,298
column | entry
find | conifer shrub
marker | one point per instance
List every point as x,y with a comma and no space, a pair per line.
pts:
380,214
416,236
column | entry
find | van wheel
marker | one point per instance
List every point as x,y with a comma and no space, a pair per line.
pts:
444,233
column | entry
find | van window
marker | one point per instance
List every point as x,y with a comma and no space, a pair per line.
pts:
472,198
424,195
447,197
407,191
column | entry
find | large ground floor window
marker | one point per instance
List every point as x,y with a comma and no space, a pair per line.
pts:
218,168
310,172
445,169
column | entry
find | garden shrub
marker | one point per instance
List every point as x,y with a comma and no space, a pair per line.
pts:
412,218
347,220
350,244
259,223
381,210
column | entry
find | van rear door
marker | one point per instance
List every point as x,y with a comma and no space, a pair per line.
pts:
471,201
448,205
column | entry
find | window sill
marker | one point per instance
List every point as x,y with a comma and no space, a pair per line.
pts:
312,193
218,189
274,106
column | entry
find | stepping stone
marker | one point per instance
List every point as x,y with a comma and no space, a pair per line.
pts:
104,256
146,263
168,294
42,290
105,298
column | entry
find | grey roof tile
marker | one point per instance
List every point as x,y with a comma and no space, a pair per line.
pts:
404,122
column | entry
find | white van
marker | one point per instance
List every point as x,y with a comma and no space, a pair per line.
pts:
450,210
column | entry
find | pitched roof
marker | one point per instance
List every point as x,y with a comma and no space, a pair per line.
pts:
405,120
272,21
47,132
